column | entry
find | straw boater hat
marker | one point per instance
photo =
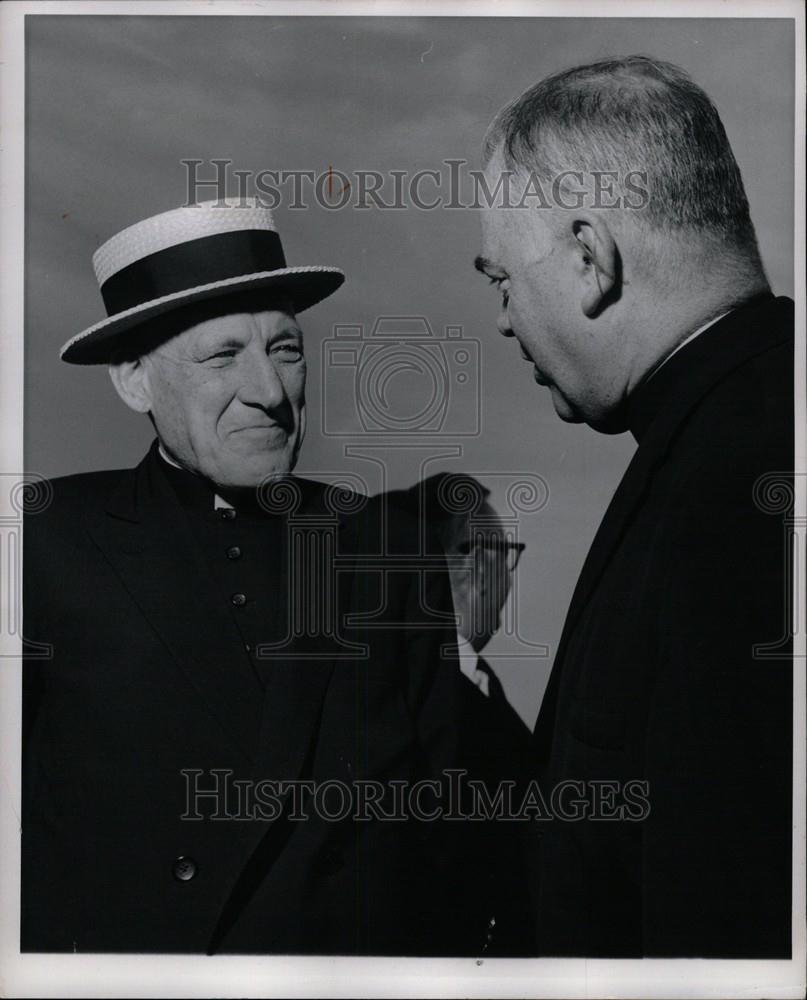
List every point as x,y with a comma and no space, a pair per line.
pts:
198,252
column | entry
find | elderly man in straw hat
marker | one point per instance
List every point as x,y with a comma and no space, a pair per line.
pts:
205,769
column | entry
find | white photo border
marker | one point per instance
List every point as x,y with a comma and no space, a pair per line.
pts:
85,975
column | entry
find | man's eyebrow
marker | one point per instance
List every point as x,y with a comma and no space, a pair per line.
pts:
213,342
292,331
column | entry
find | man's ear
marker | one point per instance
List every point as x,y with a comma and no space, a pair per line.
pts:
130,379
599,263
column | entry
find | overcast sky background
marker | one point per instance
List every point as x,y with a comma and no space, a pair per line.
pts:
115,103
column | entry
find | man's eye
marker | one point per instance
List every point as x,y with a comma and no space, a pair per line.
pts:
290,352
229,353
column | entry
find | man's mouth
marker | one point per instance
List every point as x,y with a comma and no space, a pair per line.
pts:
261,429
537,374
260,425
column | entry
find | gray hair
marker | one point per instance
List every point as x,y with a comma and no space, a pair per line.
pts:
633,113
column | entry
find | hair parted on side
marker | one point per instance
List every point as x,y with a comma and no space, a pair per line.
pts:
632,114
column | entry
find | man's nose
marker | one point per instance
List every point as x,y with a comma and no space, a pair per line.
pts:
262,386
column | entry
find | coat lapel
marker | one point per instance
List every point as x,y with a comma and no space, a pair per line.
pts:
299,674
660,409
145,535
681,384
293,704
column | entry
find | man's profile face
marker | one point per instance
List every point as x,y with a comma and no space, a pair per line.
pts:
535,272
480,579
228,394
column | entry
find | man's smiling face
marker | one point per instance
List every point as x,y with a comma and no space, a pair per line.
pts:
227,394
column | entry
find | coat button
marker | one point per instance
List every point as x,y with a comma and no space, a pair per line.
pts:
234,552
227,513
239,600
184,869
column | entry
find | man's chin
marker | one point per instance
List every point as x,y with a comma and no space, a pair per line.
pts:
604,422
564,409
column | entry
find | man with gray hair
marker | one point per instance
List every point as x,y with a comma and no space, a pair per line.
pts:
653,314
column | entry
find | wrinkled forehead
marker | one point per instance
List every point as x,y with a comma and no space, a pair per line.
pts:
513,222
234,318
240,324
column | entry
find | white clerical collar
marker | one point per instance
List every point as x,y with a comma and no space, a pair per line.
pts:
469,664
688,340
218,502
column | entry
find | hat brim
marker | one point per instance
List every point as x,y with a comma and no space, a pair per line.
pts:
304,287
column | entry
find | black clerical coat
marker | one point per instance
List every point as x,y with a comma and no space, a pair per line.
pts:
671,671
150,695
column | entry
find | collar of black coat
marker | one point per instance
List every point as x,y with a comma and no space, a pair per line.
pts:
194,492
763,323
154,482
199,494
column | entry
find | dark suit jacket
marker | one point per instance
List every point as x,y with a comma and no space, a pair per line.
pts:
492,747
147,680
656,679
496,737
